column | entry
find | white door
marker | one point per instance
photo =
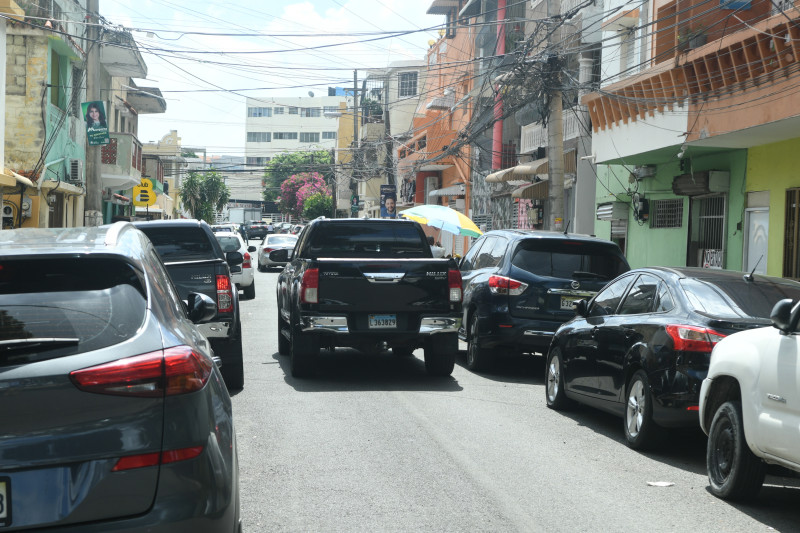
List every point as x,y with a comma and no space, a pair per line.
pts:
757,227
778,399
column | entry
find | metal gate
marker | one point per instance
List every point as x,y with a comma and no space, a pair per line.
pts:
707,232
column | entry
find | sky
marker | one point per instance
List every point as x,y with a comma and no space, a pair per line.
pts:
199,53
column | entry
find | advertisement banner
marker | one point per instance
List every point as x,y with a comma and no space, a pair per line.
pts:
96,123
388,201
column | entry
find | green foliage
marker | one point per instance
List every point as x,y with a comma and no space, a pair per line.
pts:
282,166
297,189
317,205
203,194
188,153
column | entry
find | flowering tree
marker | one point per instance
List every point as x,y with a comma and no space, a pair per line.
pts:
298,188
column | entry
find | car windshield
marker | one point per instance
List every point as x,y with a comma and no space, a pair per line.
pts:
281,239
737,298
180,243
229,243
359,239
53,307
569,259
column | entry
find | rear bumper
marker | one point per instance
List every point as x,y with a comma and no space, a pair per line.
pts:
338,325
516,334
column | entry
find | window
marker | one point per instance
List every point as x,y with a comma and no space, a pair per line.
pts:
58,80
468,262
278,110
75,97
666,213
484,258
259,136
641,298
294,110
791,243
607,300
284,135
408,84
551,258
330,109
361,240
310,112
259,111
328,135
309,137
257,161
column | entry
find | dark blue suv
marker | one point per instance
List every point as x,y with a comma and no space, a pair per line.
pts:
521,285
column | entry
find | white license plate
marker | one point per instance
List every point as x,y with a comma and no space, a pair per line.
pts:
5,501
568,303
382,321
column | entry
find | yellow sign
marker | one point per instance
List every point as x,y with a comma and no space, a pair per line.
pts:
143,194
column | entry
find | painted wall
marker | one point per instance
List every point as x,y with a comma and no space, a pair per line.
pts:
773,168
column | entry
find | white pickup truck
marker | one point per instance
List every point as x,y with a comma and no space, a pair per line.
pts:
750,404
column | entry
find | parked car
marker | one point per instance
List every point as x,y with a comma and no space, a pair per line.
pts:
640,348
114,415
750,404
520,286
256,229
296,229
242,275
274,242
195,262
283,227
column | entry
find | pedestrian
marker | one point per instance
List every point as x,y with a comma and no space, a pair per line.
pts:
437,250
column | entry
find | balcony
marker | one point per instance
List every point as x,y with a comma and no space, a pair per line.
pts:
121,166
535,135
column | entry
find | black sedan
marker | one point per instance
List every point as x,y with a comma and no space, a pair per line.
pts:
641,347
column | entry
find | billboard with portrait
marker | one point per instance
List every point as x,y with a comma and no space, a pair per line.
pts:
96,122
388,201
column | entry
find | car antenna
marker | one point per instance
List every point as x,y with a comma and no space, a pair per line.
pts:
567,228
749,277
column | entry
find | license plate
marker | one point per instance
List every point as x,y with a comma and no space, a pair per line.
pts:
382,321
5,501
568,303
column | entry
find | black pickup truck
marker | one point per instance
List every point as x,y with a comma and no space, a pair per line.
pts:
368,284
196,263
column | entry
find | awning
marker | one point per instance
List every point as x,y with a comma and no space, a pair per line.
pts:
431,167
540,167
500,176
533,191
453,190
471,9
119,182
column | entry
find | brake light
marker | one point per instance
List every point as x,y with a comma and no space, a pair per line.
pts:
454,284
246,263
266,250
309,287
224,294
170,372
153,459
504,285
693,338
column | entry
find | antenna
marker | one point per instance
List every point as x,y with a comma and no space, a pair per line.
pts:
567,228
749,277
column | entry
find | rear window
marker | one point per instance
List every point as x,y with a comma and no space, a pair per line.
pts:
569,259
732,298
387,239
281,239
51,307
228,243
180,244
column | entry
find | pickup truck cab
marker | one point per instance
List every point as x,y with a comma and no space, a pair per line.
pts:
369,284
750,404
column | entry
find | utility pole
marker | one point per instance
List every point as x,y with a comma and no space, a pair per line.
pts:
93,208
555,130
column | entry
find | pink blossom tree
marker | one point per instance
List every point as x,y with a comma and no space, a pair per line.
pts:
298,188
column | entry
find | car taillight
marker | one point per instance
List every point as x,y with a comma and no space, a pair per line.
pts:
504,285
224,294
170,372
151,459
267,249
246,263
693,338
454,284
309,287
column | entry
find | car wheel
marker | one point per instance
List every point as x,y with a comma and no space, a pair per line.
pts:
250,291
403,351
478,359
230,352
734,472
440,354
284,345
554,388
640,430
304,350
261,268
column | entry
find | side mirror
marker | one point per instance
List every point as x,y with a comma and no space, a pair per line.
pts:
234,258
581,308
251,249
279,256
201,307
784,316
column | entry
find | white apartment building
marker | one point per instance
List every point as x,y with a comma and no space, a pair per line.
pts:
276,125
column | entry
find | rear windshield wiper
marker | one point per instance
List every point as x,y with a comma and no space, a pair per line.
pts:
584,274
26,345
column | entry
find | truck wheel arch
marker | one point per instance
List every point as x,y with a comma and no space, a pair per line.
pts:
723,389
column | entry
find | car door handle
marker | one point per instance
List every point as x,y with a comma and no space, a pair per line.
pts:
595,332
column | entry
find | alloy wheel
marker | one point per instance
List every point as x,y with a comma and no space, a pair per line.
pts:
634,414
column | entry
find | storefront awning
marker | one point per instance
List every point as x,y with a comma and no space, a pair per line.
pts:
500,176
533,191
540,167
453,190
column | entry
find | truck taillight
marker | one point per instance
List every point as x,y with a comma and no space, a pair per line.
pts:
224,294
504,285
309,287
246,263
454,284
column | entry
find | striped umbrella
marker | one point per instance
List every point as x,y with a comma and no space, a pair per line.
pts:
442,217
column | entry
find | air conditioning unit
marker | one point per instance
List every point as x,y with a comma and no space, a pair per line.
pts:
75,174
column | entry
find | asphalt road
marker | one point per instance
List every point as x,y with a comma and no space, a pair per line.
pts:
373,444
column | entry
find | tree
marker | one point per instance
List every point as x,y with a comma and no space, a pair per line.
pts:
282,166
317,205
203,194
297,189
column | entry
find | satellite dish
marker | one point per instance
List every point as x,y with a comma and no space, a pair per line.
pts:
311,94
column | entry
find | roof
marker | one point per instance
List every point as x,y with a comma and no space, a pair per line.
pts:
543,234
119,238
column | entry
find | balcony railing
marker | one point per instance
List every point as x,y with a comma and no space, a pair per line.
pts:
535,135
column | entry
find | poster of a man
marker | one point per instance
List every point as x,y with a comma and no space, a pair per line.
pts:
388,201
96,124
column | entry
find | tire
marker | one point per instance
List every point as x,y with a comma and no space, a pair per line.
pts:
403,351
641,432
734,472
250,291
304,350
554,387
230,351
440,354
284,345
478,359
261,268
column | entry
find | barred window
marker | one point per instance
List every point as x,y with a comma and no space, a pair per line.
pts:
259,136
328,135
259,111
408,84
310,112
284,135
666,213
309,137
